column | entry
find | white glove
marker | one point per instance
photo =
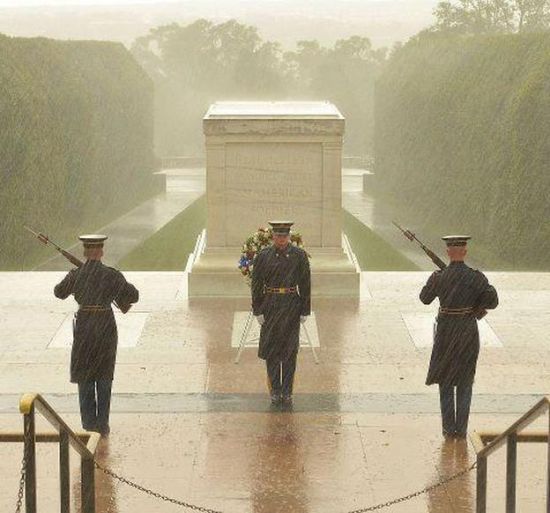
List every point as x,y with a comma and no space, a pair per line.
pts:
260,318
303,318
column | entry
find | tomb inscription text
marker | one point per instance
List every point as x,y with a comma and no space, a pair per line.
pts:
273,180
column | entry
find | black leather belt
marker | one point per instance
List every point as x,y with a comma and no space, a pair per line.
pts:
94,308
468,310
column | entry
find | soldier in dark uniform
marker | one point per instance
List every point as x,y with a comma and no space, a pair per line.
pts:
281,299
463,292
95,286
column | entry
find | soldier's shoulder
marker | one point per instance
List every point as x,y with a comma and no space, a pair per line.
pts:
298,250
112,271
478,274
262,254
264,251
73,273
474,270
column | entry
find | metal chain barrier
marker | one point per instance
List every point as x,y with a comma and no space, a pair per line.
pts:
362,510
21,492
416,494
202,509
153,493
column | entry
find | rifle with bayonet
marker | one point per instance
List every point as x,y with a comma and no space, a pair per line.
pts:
479,313
44,239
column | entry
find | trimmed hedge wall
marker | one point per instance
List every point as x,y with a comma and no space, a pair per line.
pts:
76,140
463,142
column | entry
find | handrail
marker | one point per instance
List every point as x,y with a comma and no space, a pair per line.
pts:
536,411
43,437
29,400
349,251
511,437
197,251
28,405
201,243
487,437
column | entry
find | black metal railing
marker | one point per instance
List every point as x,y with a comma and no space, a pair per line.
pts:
84,443
487,442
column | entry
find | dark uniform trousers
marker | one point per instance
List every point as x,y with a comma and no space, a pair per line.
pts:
455,419
281,374
95,404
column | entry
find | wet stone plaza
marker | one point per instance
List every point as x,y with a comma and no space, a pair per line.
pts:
191,424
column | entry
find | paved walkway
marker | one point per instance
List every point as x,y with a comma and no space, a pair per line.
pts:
183,186
190,423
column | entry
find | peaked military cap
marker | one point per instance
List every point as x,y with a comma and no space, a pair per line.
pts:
93,240
281,226
456,240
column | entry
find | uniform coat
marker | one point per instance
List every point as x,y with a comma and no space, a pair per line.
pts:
279,335
95,336
456,342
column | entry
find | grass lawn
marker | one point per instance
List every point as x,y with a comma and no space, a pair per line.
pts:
169,248
373,253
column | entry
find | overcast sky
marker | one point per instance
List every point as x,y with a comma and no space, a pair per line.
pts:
285,21
24,3
21,3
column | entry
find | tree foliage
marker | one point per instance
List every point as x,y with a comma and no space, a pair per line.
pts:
345,75
76,140
463,141
198,64
492,16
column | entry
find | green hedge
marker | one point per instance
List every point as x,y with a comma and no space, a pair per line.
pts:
76,140
463,142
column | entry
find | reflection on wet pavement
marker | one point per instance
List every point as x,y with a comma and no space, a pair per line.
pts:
189,423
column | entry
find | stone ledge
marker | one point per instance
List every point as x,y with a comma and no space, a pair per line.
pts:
274,127
215,274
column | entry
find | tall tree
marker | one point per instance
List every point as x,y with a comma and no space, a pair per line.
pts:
492,16
345,75
533,15
194,65
200,63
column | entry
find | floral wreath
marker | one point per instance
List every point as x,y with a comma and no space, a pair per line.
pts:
258,241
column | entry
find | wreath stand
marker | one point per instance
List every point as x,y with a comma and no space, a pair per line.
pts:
251,342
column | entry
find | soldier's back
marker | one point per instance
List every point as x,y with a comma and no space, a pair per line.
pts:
95,284
459,285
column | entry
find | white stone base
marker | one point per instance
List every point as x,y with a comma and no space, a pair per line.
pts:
215,274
